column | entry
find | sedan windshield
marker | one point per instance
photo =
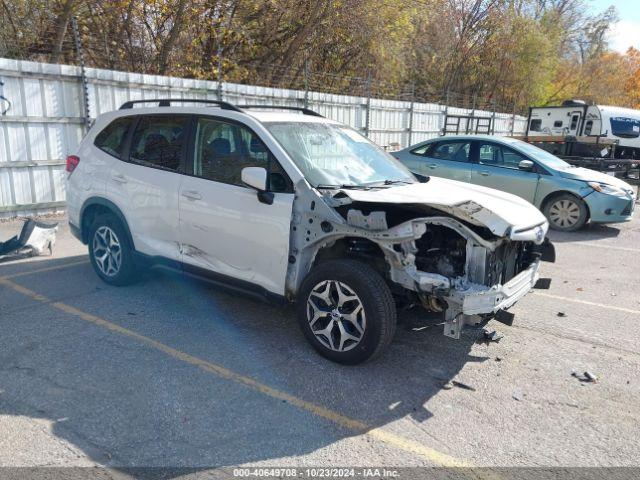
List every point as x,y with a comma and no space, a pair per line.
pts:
334,155
545,158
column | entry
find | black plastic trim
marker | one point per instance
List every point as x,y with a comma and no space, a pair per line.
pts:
75,231
220,280
110,206
304,110
166,102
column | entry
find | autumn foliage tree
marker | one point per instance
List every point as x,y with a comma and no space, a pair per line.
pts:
486,53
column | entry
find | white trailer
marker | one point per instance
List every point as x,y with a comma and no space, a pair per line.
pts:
577,119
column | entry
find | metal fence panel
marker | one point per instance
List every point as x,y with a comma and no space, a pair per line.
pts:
45,122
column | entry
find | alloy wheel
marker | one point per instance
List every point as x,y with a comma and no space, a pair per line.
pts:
336,315
107,251
564,213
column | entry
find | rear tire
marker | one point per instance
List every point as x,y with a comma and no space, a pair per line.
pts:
346,311
110,251
566,212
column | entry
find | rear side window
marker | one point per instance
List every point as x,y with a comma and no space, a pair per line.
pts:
158,141
455,151
112,138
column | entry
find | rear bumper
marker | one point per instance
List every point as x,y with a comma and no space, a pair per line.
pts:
499,297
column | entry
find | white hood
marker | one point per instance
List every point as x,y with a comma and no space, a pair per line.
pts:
502,213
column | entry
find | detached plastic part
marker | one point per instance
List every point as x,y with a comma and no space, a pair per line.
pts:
35,237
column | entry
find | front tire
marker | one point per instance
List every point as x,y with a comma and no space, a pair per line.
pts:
566,212
110,252
346,311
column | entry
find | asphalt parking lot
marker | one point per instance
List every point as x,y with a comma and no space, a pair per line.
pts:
172,372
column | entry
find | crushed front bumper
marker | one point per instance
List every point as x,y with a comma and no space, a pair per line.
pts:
467,304
499,297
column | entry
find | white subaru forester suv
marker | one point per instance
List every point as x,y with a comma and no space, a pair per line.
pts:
289,205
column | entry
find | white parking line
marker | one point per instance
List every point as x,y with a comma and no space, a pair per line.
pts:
592,304
607,247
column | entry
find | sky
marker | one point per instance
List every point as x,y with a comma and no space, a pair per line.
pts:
626,32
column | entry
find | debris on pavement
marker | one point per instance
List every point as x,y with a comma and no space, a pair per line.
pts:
517,397
35,237
464,386
561,314
493,336
585,377
448,385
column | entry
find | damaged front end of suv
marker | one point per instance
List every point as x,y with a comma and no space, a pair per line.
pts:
468,252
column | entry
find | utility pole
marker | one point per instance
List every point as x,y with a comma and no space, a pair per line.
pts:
83,74
367,113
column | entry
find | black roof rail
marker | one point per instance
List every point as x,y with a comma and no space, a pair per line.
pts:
304,110
166,102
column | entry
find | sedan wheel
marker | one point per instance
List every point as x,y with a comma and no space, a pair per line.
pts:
566,212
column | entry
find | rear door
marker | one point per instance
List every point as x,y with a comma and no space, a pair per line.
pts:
145,186
224,227
497,166
447,159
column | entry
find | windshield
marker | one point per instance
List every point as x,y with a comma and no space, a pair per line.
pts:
545,158
336,155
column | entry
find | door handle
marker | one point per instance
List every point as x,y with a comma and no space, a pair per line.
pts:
484,173
192,195
118,177
433,165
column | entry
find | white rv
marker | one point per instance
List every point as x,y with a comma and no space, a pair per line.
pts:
576,118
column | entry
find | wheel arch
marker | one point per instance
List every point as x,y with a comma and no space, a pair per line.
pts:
352,248
95,206
557,193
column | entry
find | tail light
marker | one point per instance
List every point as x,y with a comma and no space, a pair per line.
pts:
72,163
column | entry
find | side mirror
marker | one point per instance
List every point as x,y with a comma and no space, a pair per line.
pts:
256,177
526,165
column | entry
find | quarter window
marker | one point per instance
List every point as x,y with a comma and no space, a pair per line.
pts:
223,149
588,127
112,138
422,150
499,156
158,141
454,151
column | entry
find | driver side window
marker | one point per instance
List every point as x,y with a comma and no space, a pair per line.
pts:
223,149
496,155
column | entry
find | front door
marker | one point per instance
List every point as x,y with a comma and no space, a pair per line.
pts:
224,227
497,166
